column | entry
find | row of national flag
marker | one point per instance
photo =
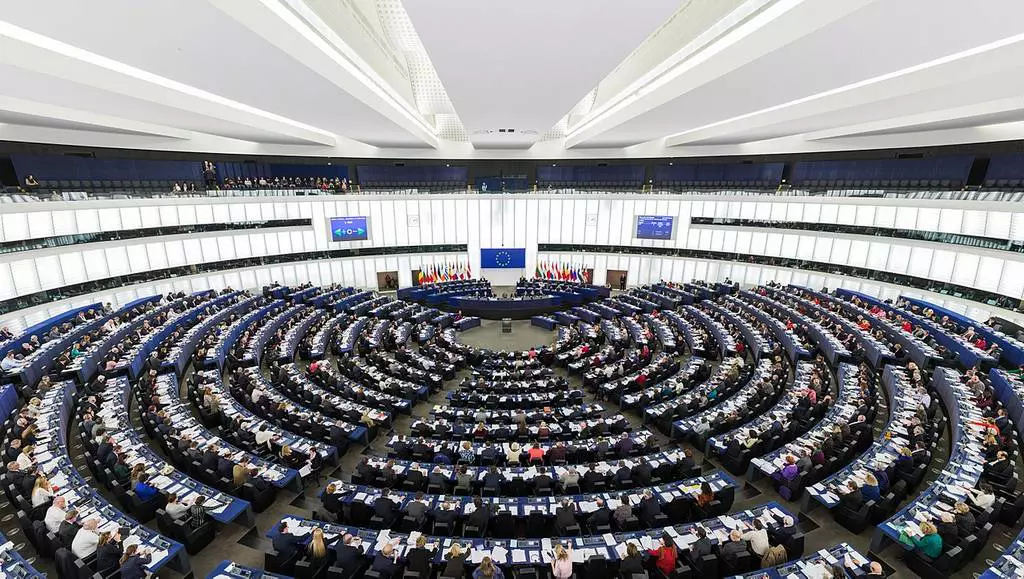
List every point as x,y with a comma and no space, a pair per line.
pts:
443,272
562,271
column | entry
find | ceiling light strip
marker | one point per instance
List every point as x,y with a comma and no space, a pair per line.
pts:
302,19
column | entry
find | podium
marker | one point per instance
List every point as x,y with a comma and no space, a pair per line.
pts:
506,325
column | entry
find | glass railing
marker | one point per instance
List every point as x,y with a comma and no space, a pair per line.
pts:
959,291
110,283
934,236
124,234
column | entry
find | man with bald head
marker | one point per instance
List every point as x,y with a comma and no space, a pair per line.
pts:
348,554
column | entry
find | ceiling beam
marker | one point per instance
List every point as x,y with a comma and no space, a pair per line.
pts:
100,121
41,54
739,39
976,62
908,122
297,31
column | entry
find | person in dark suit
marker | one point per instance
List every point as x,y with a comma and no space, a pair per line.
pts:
481,516
211,458
602,516
731,550
1000,469
542,481
642,473
920,454
702,546
331,499
851,499
565,516
108,552
622,474
69,528
592,476
632,563
965,521
686,463
783,534
419,559
493,478
104,449
365,470
947,529
417,509
285,543
387,562
385,508
415,477
133,563
348,555
437,478
649,507
446,513
419,448
624,446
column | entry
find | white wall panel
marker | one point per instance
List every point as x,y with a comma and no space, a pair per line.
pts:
942,265
1011,283
14,226
858,256
156,255
965,269
527,220
928,218
899,258
138,258
990,270
822,249
950,220
72,267
885,217
117,261
920,262
48,268
878,255
997,224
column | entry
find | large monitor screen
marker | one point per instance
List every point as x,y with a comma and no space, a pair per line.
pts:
653,227
349,229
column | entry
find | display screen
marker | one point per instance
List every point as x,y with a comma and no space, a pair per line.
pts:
653,227
349,229
514,258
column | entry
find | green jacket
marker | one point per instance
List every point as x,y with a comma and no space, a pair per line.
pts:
930,545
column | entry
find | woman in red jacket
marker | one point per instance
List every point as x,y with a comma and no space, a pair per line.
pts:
665,555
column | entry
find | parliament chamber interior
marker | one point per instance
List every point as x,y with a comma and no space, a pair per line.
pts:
387,289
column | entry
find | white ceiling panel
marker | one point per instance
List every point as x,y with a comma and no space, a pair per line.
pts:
872,41
202,46
523,65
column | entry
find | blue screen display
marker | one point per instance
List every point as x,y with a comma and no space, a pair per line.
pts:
653,227
514,258
349,229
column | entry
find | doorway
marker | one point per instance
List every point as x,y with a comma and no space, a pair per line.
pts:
387,280
617,279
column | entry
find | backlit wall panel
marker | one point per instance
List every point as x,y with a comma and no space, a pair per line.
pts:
514,221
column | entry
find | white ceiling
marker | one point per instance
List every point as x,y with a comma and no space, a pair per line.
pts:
574,78
524,64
